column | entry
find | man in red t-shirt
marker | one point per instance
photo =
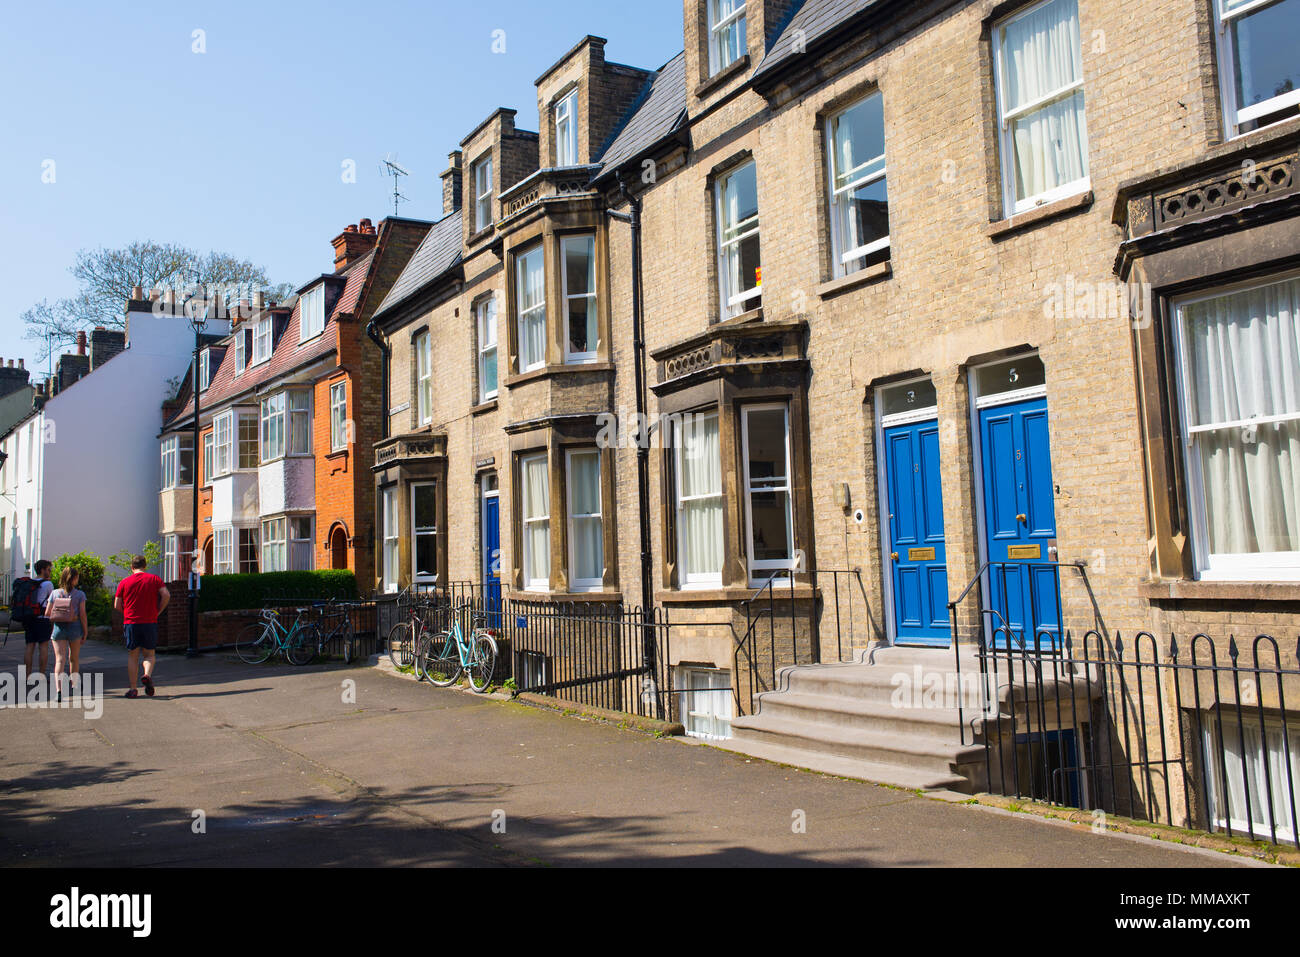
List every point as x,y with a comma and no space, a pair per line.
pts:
141,597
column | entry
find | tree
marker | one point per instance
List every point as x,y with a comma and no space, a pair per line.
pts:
106,277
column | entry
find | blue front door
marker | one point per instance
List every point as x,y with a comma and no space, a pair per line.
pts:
492,559
1020,523
918,563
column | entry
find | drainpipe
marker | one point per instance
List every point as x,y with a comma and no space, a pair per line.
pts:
633,219
373,332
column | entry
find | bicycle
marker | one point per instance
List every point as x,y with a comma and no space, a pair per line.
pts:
441,658
404,637
342,629
260,640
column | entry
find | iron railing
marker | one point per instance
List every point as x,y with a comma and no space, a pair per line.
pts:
773,640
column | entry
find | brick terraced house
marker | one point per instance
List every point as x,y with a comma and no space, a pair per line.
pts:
973,301
284,412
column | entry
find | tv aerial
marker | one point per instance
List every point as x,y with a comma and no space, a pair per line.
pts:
390,167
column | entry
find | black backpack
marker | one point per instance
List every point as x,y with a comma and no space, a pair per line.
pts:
24,607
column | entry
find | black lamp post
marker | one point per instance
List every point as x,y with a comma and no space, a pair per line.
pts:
197,309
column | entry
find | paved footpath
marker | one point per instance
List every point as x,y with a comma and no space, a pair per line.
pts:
285,772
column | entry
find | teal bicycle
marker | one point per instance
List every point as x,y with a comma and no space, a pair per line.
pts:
441,658
298,642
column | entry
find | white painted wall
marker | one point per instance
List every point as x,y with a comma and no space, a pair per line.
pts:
97,474
287,485
234,500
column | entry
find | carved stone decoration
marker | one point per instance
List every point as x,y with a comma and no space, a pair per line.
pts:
523,201
689,362
1247,183
766,348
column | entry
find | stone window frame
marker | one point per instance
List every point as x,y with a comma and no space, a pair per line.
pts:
729,391
478,302
400,476
477,198
713,223
550,230
711,29
555,438
831,271
571,93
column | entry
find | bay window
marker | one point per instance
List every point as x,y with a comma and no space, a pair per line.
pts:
586,542
423,379
274,552
740,274
535,496
1239,390
566,130
300,422
726,33
338,416
486,319
170,569
223,553
248,551
311,313
769,524
273,407
1258,66
222,443
248,447
207,457
698,478
1038,63
302,551
530,298
578,259
483,193
177,461
855,143
424,532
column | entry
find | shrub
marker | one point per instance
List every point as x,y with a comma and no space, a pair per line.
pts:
88,565
99,608
151,551
226,592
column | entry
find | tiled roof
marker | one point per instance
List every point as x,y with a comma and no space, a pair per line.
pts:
656,116
812,21
438,252
288,353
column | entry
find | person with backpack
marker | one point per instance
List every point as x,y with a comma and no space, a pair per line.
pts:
141,597
66,609
36,627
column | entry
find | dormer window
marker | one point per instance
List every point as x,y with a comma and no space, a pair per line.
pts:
205,369
566,130
240,358
262,340
483,193
726,33
311,313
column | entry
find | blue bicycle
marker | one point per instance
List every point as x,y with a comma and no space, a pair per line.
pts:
440,658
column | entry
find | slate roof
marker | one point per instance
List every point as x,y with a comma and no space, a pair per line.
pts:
656,116
816,19
439,251
286,355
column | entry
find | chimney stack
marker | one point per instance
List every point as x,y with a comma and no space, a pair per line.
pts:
353,243
452,178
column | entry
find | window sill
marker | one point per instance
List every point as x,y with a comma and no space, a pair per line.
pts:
566,597
484,233
554,370
1219,591
488,405
740,318
1034,217
871,274
337,454
711,83
731,594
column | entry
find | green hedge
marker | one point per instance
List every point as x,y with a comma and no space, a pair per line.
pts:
225,592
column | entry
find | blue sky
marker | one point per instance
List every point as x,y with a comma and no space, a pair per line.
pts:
240,148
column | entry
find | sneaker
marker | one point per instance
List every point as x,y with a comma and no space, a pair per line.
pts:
148,685
133,693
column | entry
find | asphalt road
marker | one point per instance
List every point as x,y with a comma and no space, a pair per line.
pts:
279,769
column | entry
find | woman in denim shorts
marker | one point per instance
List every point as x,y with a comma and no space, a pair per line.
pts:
70,632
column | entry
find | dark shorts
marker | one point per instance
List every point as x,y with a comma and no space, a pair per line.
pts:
141,636
38,630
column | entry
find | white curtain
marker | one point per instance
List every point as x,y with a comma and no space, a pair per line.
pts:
584,507
1042,56
1246,773
537,527
1243,361
532,308
701,482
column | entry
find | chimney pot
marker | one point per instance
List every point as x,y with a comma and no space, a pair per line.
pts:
20,363
81,343
137,292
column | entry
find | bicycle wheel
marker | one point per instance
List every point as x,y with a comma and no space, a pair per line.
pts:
441,660
256,643
302,645
345,635
482,662
400,646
